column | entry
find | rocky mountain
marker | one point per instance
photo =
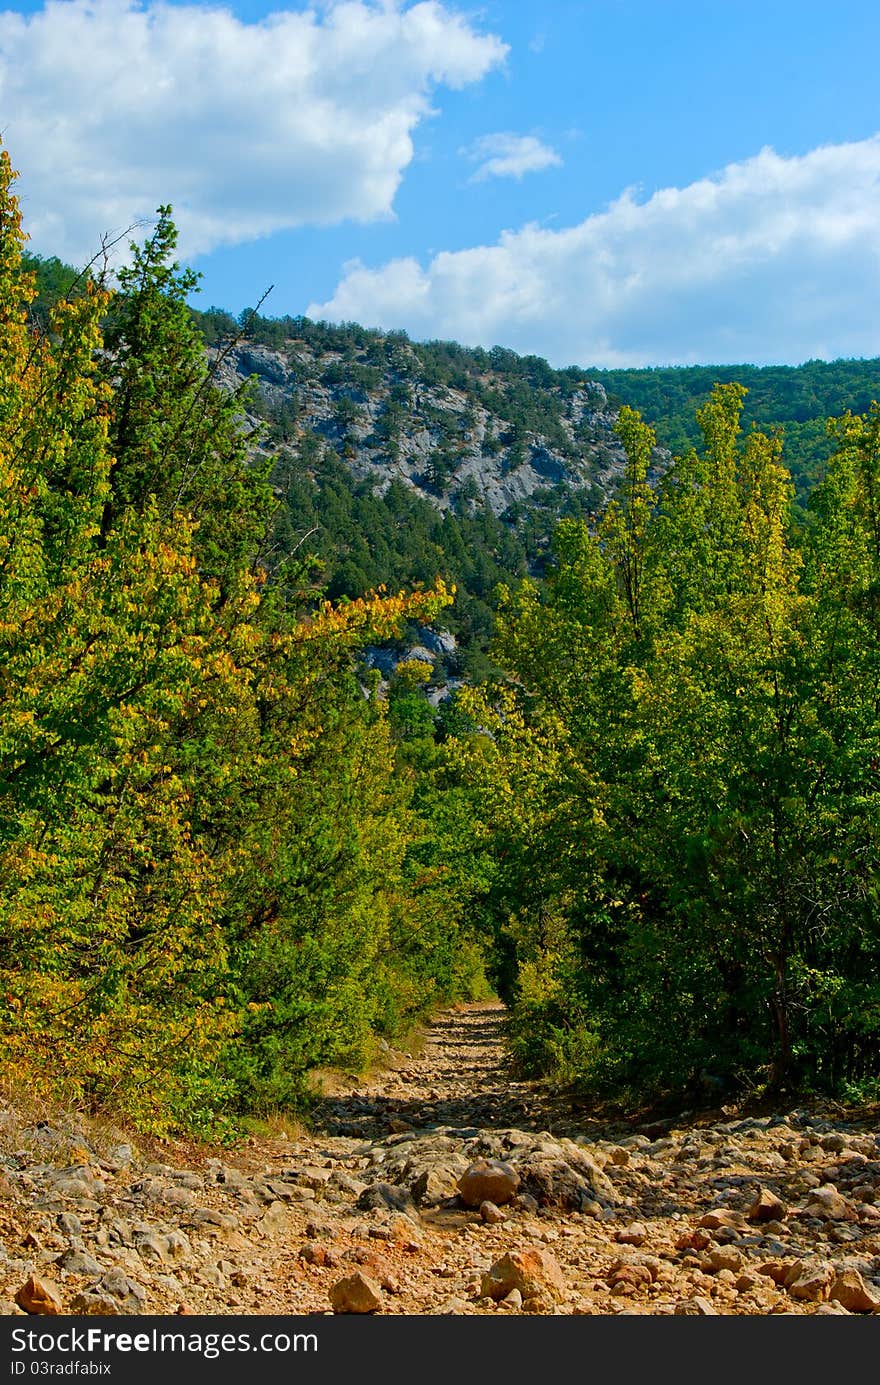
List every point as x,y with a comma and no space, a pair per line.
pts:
461,440
397,462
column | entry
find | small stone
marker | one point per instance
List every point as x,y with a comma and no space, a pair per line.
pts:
747,1282
539,1303
210,1217
488,1180
77,1189
453,1307
633,1235
435,1185
722,1217
402,1230
37,1296
119,1158
766,1207
178,1245
526,1203
833,1143
80,1262
357,1293
151,1247
828,1203
513,1300
633,1275
491,1213
569,1182
129,1296
811,1284
725,1258
275,1221
314,1254
387,1196
695,1307
95,1305
693,1240
848,1288
536,1273
618,1156
777,1270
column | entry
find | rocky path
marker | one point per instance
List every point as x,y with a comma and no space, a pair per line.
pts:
441,1186
458,1080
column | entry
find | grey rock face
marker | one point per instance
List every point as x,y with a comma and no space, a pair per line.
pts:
489,461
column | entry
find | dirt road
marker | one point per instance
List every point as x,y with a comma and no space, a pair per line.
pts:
735,1214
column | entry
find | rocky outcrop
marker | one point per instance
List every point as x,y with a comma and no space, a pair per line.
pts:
441,441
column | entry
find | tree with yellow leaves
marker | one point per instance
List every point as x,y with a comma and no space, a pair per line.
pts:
202,840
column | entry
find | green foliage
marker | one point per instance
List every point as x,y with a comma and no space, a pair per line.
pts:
679,803
359,540
797,399
206,872
54,281
224,860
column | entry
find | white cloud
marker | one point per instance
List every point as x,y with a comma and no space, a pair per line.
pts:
505,155
772,259
110,107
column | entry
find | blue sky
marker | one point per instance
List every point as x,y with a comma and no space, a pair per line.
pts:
603,182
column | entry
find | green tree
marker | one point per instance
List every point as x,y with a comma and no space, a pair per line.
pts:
176,440
681,782
204,875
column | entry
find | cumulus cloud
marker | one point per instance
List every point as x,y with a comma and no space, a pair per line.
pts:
505,155
110,107
772,259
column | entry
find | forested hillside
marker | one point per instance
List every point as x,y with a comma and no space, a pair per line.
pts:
229,853
534,401
406,460
796,399
398,461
